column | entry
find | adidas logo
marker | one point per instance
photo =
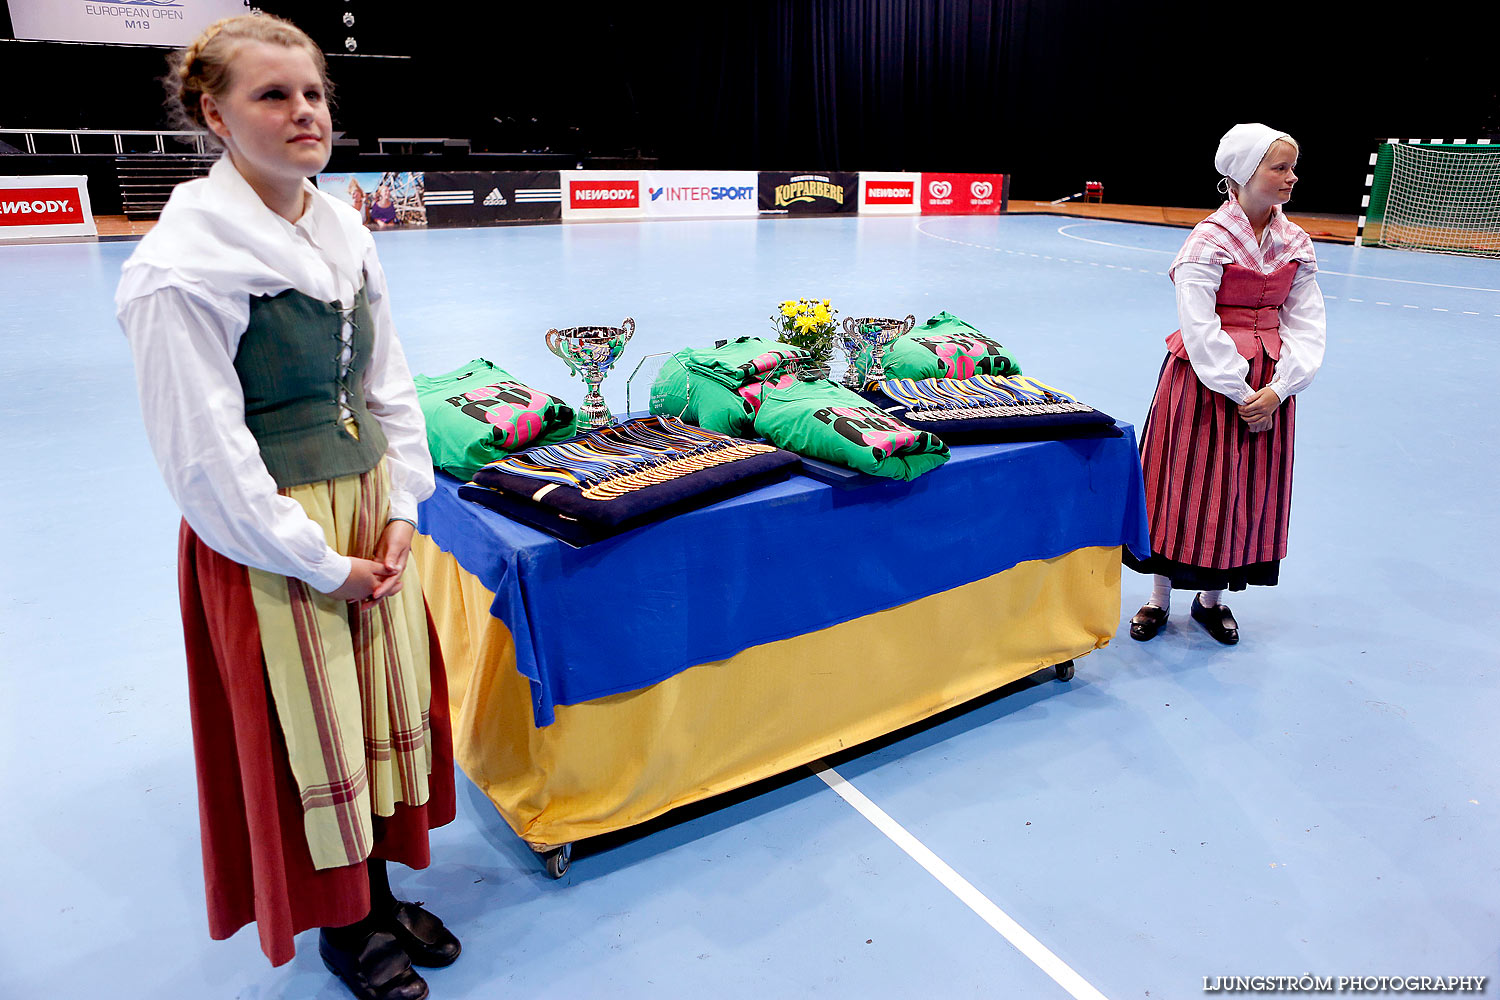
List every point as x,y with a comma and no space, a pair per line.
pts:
494,197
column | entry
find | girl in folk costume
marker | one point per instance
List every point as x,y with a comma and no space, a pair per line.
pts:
1217,446
281,411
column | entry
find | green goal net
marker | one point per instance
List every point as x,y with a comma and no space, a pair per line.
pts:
1439,196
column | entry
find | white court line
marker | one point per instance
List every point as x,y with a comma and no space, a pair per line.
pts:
1342,274
1409,281
1077,987
1084,239
1122,246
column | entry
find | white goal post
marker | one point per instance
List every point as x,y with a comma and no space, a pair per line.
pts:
1433,195
1439,195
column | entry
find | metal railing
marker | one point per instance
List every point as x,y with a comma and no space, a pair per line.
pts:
414,145
146,181
199,144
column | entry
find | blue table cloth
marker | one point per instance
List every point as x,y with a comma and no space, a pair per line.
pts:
783,560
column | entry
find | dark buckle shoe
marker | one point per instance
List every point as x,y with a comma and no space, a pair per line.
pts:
422,935
1217,621
1147,622
377,969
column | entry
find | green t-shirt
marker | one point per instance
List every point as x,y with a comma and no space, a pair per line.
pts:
748,359
478,413
828,422
943,347
719,389
695,399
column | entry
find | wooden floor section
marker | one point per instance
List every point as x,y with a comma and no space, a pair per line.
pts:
1338,228
118,225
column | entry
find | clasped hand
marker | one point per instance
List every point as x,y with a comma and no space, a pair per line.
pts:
1259,411
374,579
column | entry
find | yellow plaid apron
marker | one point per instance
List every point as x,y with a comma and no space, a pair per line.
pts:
350,681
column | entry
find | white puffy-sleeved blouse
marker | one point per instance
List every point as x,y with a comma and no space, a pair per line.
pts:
1216,361
184,303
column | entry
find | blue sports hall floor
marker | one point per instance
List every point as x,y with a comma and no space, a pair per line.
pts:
1322,799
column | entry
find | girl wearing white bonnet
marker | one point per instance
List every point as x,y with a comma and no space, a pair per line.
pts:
1218,441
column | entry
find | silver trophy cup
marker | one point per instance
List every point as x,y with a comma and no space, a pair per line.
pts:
590,352
877,332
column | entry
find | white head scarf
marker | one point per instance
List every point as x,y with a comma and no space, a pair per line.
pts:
1242,149
217,240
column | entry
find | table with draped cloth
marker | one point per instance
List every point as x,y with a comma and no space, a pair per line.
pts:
595,688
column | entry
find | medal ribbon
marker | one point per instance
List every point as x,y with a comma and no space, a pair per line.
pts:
978,397
612,461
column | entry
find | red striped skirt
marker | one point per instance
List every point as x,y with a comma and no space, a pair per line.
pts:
1218,496
256,864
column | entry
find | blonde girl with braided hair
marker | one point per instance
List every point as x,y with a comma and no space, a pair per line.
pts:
281,412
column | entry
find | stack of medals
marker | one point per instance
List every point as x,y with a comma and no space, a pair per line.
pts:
612,461
613,479
988,408
979,397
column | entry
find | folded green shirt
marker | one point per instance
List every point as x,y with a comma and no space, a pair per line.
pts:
688,395
828,422
943,347
741,361
478,413
719,389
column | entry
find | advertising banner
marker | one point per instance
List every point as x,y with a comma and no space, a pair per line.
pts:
389,200
603,194
124,22
889,194
491,197
45,207
964,194
721,193
803,193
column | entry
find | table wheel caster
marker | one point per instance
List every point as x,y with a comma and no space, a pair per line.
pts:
1064,670
556,860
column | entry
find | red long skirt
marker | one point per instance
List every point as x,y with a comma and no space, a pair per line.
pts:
1218,497
256,865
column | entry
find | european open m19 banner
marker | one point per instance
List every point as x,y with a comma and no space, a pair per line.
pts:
124,22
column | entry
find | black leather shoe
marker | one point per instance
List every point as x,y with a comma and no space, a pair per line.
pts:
1217,621
422,936
1147,622
377,969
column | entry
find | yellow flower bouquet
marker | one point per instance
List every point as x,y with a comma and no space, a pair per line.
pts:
808,324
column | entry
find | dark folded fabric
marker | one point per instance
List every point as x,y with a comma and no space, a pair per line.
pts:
985,430
581,516
1020,423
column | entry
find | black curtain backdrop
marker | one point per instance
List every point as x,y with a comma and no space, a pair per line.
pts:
1054,92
